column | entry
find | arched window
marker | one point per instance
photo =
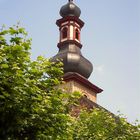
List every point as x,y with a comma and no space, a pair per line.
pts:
77,34
64,32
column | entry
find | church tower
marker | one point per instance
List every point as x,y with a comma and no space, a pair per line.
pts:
77,68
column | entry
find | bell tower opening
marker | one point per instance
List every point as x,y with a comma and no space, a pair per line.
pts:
77,34
64,32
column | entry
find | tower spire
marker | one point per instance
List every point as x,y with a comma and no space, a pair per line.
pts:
69,45
77,68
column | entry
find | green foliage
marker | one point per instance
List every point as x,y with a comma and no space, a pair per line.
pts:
99,124
32,107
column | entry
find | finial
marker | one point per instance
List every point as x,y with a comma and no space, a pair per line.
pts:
70,0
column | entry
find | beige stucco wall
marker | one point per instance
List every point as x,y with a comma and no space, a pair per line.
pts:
72,86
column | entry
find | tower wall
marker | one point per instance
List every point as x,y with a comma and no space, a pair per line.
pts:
72,86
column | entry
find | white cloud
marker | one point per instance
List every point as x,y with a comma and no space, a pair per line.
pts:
99,69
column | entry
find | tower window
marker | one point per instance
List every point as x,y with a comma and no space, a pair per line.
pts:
64,32
77,34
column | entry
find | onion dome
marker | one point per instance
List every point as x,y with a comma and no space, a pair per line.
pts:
70,9
73,60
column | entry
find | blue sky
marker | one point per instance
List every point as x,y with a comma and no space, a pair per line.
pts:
110,38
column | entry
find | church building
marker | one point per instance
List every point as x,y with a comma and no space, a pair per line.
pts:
77,69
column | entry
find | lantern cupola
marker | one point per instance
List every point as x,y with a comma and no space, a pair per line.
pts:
70,25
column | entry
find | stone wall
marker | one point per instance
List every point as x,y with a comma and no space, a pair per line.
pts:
72,86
